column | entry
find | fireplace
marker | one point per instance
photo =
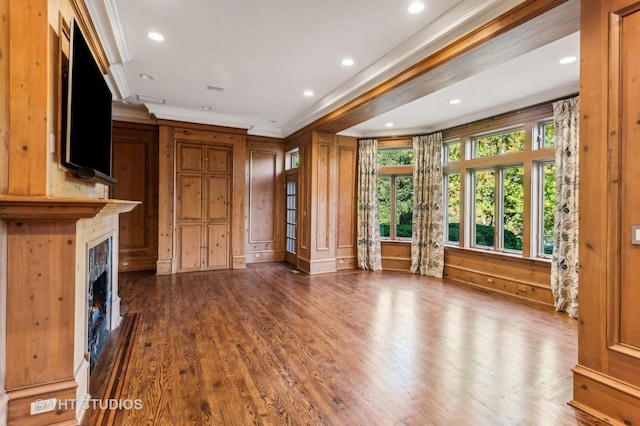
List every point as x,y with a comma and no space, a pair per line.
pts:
98,299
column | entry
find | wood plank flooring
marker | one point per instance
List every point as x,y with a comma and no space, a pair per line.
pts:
267,345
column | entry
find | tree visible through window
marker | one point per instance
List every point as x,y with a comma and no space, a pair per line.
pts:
395,193
493,175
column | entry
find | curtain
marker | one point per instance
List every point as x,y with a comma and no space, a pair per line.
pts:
427,243
564,266
369,256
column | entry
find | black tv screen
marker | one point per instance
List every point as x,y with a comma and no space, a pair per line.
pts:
88,114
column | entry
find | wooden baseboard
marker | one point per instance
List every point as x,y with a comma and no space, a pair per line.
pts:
605,397
264,256
19,404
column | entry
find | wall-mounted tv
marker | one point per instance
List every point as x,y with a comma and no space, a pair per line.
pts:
86,113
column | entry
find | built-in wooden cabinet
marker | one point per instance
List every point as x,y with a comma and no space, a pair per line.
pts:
135,166
201,215
203,206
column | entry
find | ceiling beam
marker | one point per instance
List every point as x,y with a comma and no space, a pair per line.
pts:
528,26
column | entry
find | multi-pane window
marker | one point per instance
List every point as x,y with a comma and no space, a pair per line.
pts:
395,192
291,236
499,183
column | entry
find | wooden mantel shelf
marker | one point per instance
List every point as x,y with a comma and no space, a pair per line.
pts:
40,208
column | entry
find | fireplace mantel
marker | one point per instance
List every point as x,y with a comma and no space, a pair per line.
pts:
59,209
46,249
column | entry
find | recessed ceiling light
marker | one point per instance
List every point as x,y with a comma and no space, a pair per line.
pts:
388,124
455,101
146,77
308,93
567,60
416,7
155,36
207,108
347,62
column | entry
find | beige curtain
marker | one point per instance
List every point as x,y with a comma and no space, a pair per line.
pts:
427,243
369,256
564,266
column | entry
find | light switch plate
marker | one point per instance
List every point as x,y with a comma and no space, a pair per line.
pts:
635,234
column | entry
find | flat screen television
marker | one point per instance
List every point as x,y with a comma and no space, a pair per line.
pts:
86,113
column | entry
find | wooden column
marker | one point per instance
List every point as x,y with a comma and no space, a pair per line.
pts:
607,377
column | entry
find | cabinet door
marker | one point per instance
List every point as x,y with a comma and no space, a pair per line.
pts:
189,247
218,160
217,246
189,158
189,197
217,199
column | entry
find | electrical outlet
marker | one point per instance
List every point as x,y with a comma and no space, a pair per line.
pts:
40,406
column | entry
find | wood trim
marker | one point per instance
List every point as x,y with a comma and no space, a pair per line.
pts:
605,397
89,31
45,209
182,127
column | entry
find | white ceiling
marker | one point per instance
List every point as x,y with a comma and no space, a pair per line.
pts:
265,54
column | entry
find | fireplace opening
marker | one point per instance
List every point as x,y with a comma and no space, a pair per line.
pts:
98,300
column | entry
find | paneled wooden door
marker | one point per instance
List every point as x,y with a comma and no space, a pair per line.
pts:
203,206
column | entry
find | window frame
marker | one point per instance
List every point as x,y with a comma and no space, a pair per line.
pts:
531,120
394,172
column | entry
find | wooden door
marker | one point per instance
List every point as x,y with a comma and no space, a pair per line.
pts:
203,206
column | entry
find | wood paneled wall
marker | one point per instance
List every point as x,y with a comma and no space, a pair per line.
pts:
527,279
607,377
170,133
135,166
347,207
265,199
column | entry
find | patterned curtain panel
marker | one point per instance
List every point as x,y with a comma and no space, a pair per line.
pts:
564,267
369,256
427,243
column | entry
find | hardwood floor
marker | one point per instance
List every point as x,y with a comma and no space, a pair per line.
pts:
267,345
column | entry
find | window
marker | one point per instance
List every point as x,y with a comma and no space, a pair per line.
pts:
452,201
484,183
395,157
451,151
546,200
547,134
395,206
292,159
395,192
499,183
499,143
292,196
512,208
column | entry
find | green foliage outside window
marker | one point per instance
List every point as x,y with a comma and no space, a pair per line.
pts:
499,144
403,205
395,157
